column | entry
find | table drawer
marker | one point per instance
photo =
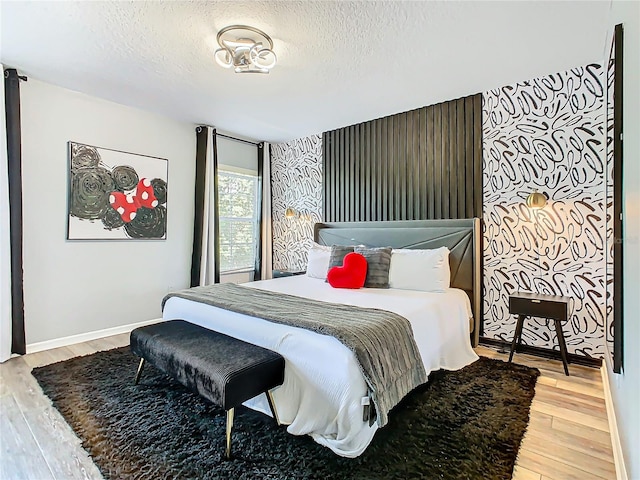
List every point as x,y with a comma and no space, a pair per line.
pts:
538,308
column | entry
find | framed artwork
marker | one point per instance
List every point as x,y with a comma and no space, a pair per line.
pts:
116,195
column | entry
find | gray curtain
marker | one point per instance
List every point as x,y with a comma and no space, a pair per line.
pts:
14,163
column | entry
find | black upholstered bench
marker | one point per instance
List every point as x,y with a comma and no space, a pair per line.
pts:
222,369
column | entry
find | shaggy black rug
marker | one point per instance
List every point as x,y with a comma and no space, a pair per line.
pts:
466,424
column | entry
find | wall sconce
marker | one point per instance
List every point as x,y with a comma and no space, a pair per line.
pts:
536,200
246,48
291,213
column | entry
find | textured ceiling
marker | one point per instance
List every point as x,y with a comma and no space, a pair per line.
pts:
339,62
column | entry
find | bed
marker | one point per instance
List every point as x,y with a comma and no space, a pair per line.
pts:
324,388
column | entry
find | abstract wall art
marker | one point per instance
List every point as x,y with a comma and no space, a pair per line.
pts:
115,195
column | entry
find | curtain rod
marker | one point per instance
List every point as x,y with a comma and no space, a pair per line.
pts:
200,127
237,139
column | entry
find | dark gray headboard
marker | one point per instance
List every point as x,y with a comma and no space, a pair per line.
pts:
461,237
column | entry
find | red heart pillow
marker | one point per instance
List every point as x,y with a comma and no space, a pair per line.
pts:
351,274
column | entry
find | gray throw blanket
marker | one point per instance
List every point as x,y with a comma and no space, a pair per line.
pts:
382,341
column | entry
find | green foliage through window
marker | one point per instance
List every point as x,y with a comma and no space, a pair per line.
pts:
238,206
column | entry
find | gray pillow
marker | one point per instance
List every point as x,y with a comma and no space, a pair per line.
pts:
378,263
338,252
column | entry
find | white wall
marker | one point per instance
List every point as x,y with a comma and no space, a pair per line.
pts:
74,287
625,388
5,250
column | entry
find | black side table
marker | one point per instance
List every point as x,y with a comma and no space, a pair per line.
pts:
554,307
286,273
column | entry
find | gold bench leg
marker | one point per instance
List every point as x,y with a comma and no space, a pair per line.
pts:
229,427
272,406
139,372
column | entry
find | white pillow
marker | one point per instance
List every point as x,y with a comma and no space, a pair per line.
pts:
424,270
318,261
324,248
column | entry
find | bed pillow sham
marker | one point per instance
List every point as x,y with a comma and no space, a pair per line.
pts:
423,270
318,261
378,263
338,252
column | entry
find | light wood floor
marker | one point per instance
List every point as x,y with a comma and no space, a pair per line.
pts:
567,438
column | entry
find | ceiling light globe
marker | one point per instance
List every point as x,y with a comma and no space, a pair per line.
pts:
223,57
262,57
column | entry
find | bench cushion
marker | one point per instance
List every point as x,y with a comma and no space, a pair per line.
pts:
223,369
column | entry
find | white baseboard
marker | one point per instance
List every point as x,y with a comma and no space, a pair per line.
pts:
618,457
85,337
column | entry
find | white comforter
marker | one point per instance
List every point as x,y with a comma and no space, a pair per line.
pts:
323,386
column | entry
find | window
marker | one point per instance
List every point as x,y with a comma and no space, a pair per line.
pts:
238,207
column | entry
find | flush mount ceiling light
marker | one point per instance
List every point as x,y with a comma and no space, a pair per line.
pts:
245,48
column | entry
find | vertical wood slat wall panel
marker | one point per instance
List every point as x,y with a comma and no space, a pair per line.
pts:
372,196
444,159
477,153
378,184
468,154
362,164
429,161
453,159
437,159
461,183
353,183
421,164
341,201
329,173
361,195
384,174
415,165
403,187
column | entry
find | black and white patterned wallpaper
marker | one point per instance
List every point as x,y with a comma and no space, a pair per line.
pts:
546,134
296,182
